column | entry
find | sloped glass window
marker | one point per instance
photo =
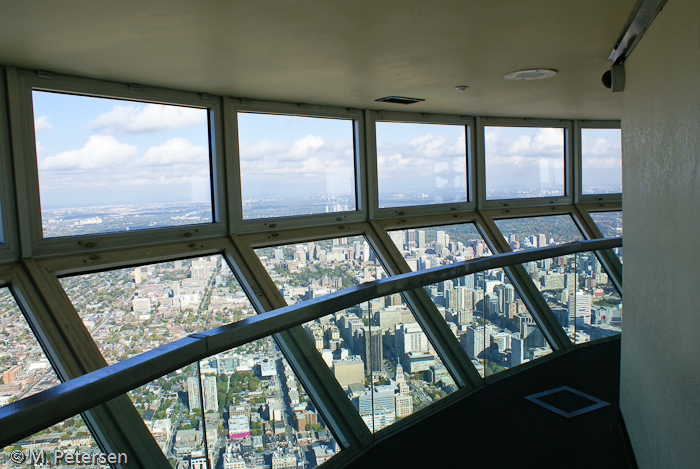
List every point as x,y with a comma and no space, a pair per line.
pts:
109,165
538,232
60,446
295,165
524,162
610,225
25,370
601,161
420,164
245,405
308,270
595,308
576,287
483,310
377,350
555,277
130,311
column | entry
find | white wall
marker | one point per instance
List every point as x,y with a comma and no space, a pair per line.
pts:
660,368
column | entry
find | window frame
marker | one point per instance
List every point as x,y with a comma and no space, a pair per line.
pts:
26,165
398,117
568,156
579,196
241,225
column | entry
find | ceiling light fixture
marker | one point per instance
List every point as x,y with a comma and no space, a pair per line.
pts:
461,88
531,74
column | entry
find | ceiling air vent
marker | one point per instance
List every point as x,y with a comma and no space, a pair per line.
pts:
399,100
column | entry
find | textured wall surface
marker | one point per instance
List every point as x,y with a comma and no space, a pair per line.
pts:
660,366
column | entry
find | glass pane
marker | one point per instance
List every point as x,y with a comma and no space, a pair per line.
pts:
307,270
130,311
294,165
601,161
537,232
420,164
110,165
171,409
595,309
363,345
254,410
64,445
382,358
260,410
610,225
556,278
24,368
434,246
524,162
485,313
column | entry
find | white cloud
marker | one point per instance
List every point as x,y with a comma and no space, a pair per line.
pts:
309,155
509,149
41,124
100,152
134,118
435,146
175,151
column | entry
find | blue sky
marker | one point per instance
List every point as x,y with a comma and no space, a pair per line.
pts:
96,151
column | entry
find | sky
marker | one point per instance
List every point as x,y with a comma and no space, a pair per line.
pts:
97,151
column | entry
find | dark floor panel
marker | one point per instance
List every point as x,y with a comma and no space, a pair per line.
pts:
497,427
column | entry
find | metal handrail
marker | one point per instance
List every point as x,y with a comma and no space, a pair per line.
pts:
31,414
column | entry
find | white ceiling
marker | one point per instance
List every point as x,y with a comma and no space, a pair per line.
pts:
335,52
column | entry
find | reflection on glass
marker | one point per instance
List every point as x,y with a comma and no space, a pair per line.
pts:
419,164
601,161
524,162
130,311
295,165
109,165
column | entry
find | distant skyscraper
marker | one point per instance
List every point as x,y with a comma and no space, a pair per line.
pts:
580,308
399,238
211,401
541,240
377,408
373,349
420,238
193,393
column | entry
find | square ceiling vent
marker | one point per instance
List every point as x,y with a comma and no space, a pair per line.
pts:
399,100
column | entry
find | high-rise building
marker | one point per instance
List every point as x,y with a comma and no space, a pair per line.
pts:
193,393
373,349
211,402
580,308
